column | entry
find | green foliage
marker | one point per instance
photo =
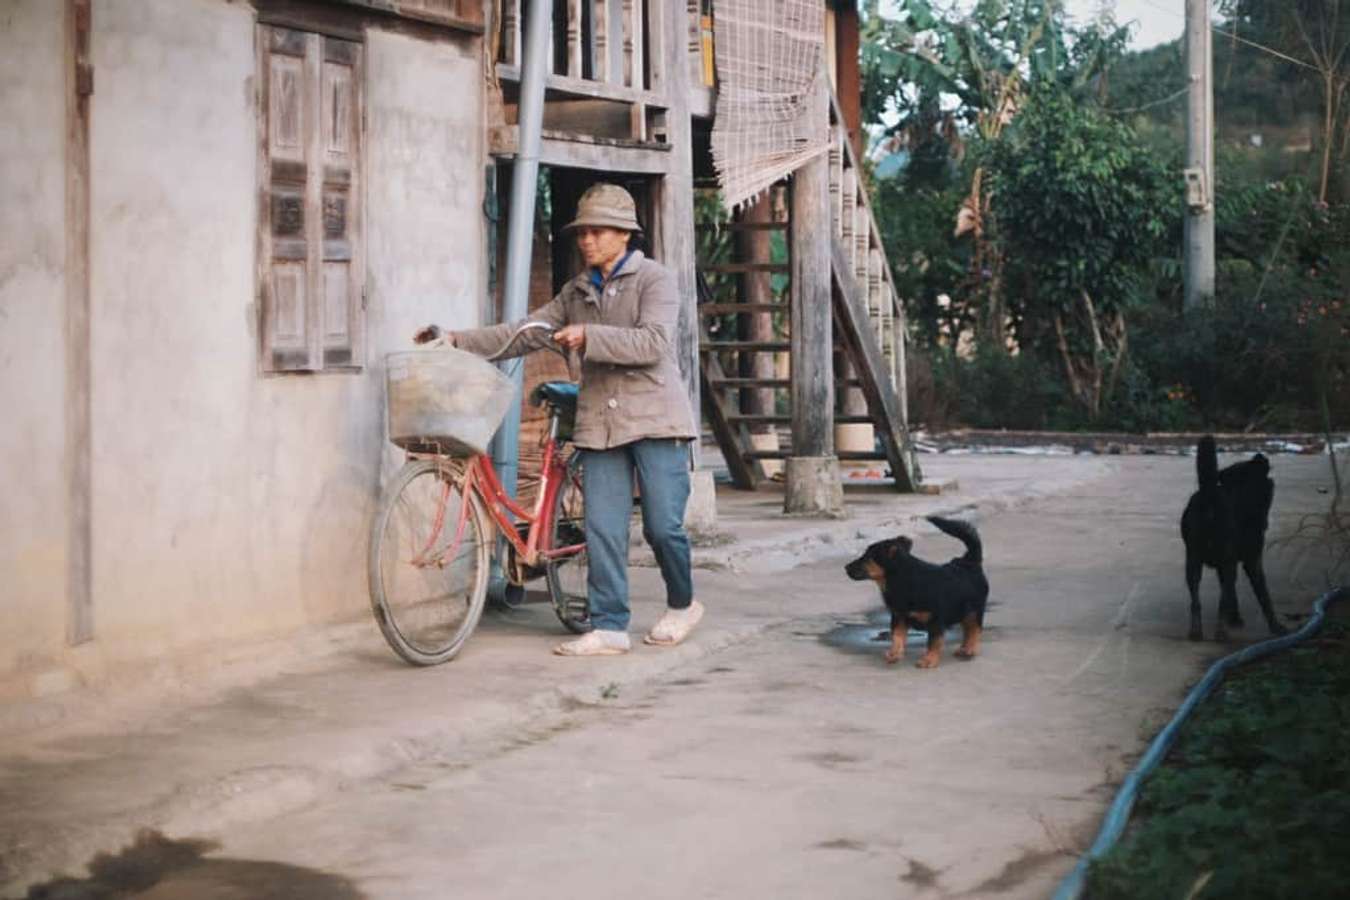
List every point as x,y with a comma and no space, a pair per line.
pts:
973,54
1081,205
988,390
1256,791
926,259
1086,200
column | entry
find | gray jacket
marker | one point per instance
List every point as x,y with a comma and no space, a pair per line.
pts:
630,382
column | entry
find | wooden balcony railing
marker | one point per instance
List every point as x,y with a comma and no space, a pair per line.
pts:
613,50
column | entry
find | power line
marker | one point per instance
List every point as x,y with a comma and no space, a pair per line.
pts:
1168,99
1241,40
1270,50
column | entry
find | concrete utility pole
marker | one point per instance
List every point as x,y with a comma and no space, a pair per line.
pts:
1199,250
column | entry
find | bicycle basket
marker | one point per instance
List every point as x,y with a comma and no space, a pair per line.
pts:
445,401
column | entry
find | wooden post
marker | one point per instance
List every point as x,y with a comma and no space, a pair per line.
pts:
813,483
674,240
847,80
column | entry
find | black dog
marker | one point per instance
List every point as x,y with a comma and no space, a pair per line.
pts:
1225,524
926,595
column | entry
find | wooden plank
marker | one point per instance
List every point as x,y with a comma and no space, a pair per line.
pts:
731,268
730,382
78,23
587,152
738,382
758,346
777,419
561,85
843,455
851,312
722,309
441,21
744,226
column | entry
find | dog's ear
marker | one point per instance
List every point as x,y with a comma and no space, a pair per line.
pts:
898,546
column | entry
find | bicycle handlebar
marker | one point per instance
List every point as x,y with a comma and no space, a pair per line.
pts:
524,327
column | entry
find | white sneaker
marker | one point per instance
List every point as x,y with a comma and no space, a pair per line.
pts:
675,625
596,643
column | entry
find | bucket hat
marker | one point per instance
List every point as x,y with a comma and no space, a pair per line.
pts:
606,206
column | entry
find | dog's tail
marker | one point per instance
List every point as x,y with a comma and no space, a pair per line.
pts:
1207,463
963,532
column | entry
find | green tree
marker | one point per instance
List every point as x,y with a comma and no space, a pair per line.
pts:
987,58
1084,211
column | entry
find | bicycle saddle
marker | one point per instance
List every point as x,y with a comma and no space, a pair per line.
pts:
559,394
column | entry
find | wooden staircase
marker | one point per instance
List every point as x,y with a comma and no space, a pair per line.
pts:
740,279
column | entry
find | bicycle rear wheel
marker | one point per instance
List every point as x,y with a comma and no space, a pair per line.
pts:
567,576
426,593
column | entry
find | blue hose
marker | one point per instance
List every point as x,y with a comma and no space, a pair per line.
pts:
1118,815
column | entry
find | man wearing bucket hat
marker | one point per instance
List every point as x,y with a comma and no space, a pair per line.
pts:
633,416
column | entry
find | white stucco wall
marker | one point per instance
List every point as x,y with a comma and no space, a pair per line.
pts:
33,520
227,504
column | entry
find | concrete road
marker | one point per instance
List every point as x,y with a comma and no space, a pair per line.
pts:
791,761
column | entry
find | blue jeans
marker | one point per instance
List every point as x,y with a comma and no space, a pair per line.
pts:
662,469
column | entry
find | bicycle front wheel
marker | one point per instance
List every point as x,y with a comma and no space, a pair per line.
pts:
567,576
428,580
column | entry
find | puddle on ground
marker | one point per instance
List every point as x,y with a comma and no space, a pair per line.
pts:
156,867
873,634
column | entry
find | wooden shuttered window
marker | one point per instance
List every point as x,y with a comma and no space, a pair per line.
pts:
311,276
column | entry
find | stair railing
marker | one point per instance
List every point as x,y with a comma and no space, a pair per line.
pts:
856,228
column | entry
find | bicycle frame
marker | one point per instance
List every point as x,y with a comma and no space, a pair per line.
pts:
480,477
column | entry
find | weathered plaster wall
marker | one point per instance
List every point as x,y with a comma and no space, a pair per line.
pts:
229,505
32,334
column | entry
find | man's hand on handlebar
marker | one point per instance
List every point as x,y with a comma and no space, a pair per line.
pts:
571,337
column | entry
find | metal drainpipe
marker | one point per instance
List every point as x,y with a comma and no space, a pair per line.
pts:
520,235
520,222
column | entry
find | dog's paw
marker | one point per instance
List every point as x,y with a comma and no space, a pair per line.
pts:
928,661
892,657
965,654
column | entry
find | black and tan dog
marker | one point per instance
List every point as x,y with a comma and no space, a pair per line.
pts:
926,595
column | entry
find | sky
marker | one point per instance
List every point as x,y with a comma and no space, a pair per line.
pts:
1155,21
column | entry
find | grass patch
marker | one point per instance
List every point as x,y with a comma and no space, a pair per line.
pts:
1254,799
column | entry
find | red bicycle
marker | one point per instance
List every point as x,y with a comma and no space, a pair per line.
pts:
438,521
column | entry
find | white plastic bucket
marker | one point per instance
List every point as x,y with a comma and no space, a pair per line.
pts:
444,401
